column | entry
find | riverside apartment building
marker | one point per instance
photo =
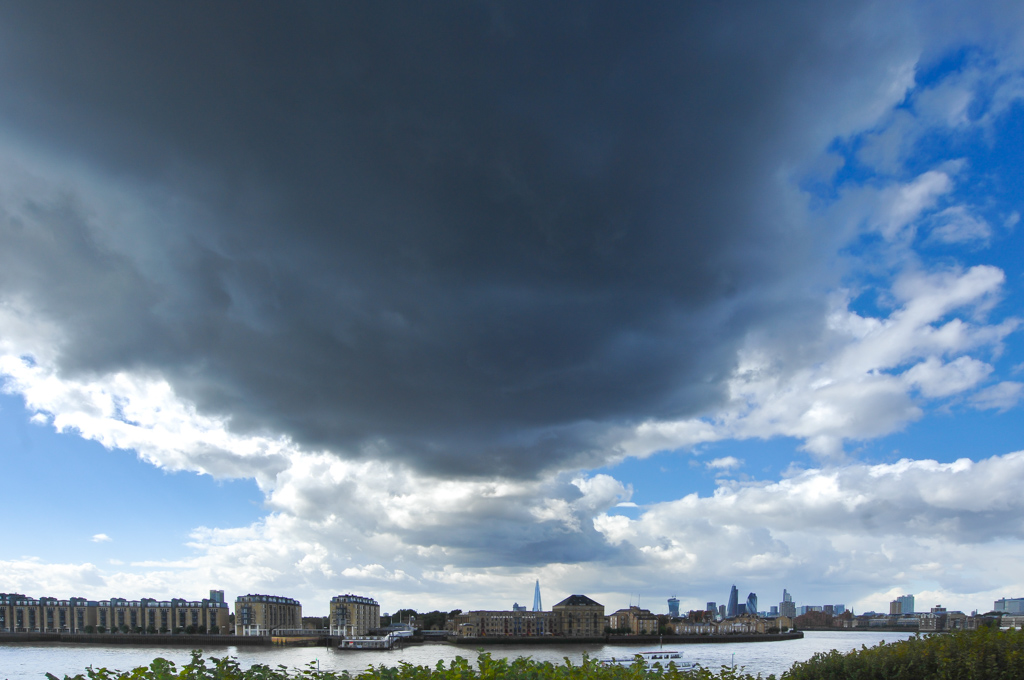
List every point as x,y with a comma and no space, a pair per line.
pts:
22,614
265,614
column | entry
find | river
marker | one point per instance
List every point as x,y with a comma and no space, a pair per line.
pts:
31,661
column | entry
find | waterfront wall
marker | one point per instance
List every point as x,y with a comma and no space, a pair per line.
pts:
700,639
882,629
140,639
523,640
624,639
206,641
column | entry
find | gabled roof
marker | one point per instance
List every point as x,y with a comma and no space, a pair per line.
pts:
578,601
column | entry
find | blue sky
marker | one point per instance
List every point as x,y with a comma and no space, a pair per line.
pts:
428,306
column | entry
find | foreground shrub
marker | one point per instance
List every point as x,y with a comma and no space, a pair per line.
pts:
984,654
523,668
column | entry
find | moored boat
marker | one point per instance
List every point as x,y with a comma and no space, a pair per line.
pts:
661,656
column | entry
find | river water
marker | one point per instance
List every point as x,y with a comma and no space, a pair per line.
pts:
31,661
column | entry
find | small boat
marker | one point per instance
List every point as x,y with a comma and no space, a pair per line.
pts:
661,656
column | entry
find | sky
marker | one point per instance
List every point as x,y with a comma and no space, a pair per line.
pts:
429,302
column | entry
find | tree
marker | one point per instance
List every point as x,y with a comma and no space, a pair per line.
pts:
403,615
434,620
90,629
151,630
124,628
190,629
215,629
101,629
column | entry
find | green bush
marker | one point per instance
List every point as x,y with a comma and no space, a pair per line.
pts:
984,654
522,668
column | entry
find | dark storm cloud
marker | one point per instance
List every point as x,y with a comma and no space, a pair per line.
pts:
472,237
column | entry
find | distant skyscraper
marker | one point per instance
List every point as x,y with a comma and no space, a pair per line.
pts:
904,604
1009,605
787,607
516,607
721,611
752,604
774,611
838,609
734,603
712,607
673,607
537,607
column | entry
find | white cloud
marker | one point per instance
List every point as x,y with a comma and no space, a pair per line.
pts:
140,413
101,538
726,463
857,380
375,571
1001,397
901,205
937,379
909,523
957,225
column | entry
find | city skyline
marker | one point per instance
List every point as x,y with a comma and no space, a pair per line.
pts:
906,603
436,303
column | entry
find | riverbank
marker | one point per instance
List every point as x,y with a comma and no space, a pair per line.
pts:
881,629
141,639
626,640
313,640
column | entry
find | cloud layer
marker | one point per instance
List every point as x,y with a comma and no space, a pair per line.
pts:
419,273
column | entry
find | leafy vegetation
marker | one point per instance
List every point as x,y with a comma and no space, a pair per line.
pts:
985,654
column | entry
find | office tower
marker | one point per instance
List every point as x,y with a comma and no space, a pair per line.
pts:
1009,605
752,604
673,607
537,607
904,604
787,607
712,607
734,602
